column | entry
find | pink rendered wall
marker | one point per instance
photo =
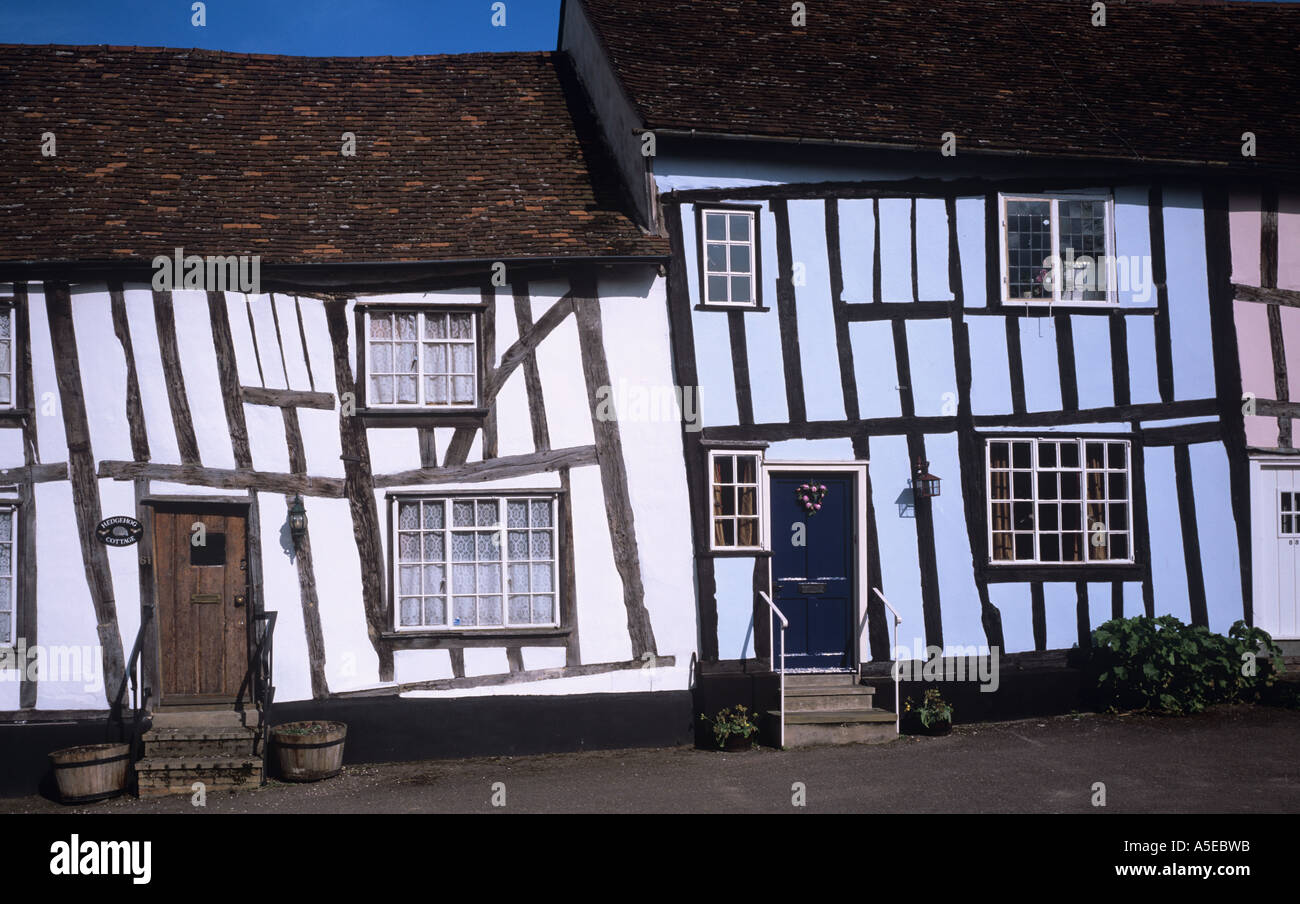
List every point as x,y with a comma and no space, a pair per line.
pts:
1256,366
1288,246
1244,222
1251,318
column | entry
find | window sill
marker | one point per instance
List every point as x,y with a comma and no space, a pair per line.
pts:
1099,572
477,637
421,417
754,553
744,308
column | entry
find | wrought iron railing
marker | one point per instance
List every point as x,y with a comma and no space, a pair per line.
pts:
898,620
139,698
258,684
781,671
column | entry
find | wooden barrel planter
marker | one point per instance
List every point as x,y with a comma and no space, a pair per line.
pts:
90,772
309,751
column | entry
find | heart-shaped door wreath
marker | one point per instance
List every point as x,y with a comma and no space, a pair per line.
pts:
810,496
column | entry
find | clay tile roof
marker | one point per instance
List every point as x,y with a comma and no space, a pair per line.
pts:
1162,81
476,156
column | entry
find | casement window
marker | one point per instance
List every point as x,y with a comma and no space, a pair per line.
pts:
422,359
1059,501
733,485
729,272
1289,514
7,356
1057,249
475,562
8,548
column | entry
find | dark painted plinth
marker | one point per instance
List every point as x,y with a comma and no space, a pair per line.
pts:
393,729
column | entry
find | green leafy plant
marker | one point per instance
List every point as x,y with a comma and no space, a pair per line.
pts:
740,722
932,710
1163,665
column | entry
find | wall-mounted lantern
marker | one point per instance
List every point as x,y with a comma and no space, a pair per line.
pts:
924,484
297,520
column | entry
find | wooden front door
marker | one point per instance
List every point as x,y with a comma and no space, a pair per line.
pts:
813,570
202,606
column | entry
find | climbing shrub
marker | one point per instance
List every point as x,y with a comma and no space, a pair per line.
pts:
1163,665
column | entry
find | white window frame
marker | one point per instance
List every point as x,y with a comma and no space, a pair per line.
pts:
1112,291
751,243
12,371
420,404
1083,472
501,541
1295,513
9,509
759,496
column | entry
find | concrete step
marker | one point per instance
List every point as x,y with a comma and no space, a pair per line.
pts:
820,679
197,742
195,717
863,726
159,776
828,698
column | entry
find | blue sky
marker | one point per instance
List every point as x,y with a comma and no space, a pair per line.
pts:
305,27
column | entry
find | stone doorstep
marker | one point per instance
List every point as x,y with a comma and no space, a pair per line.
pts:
809,729
185,718
164,764
820,679
160,776
832,698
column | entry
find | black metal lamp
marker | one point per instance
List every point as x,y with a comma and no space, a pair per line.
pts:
924,484
297,519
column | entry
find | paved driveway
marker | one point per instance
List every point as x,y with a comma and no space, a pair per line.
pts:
1231,760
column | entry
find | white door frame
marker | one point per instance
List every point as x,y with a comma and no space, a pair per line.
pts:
861,590
1262,589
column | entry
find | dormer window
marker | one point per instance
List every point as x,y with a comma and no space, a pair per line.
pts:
1058,249
729,266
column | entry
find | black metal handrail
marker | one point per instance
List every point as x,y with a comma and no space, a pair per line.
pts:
257,681
138,701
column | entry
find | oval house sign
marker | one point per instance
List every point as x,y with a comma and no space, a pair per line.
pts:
119,530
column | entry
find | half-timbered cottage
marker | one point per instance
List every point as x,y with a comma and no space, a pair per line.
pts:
865,202
386,436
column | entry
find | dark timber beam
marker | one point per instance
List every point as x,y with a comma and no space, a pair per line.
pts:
307,594
613,470
682,338
1191,536
183,423
85,487
1164,342
1288,297
507,678
287,398
359,490
969,449
228,375
532,376
786,316
25,615
1227,377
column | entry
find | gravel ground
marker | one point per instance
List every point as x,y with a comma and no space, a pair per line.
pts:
1232,759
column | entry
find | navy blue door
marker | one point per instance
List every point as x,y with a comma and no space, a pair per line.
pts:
812,570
